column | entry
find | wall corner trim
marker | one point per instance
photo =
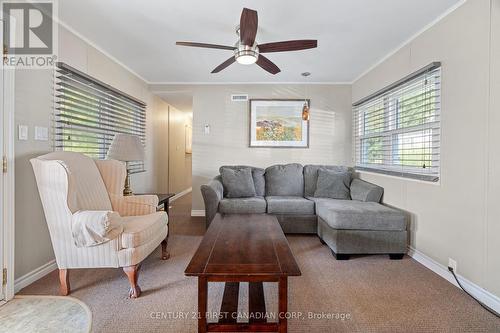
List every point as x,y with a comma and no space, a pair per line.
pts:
198,213
34,275
481,294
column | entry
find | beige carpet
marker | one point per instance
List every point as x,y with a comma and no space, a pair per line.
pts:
364,294
45,314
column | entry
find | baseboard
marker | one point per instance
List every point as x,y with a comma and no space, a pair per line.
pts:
34,275
484,296
180,194
198,212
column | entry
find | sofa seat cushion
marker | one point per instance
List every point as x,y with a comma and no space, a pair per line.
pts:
139,230
356,215
255,205
290,205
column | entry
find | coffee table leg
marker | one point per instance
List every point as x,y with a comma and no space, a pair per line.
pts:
283,304
202,304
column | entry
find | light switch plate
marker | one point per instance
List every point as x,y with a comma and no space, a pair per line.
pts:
207,129
22,132
41,133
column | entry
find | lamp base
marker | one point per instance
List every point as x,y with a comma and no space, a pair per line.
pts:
127,191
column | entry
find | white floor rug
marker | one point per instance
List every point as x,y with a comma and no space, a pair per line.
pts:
45,314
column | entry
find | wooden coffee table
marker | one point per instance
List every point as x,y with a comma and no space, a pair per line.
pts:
243,248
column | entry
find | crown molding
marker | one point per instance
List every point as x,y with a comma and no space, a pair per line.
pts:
199,83
98,48
410,39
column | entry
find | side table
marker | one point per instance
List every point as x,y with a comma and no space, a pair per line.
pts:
163,199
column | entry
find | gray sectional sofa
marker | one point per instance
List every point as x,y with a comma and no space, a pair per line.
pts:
305,199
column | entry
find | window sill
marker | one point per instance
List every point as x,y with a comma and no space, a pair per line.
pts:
387,174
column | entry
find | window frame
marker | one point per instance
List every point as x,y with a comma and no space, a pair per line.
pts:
391,130
92,112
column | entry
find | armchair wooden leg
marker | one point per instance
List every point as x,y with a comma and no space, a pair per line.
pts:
164,252
133,275
64,282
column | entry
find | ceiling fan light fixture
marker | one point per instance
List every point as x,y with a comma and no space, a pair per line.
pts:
246,55
246,59
247,50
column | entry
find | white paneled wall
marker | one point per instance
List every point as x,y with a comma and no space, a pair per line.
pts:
457,218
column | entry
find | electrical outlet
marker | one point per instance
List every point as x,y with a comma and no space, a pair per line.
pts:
453,264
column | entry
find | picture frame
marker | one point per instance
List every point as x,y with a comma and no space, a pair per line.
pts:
277,123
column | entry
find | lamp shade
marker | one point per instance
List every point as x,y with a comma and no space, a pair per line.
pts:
127,148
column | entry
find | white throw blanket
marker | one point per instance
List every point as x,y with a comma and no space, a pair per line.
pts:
91,228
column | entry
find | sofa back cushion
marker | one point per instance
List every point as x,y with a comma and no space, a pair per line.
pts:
238,182
311,176
257,176
286,179
333,184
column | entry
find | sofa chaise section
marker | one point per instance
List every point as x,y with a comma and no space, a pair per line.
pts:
362,225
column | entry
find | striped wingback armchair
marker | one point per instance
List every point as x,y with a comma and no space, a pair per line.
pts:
77,192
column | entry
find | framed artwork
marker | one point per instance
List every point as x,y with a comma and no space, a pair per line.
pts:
278,123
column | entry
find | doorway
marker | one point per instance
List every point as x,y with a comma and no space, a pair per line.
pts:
6,180
180,129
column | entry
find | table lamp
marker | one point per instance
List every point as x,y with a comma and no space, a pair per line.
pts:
126,148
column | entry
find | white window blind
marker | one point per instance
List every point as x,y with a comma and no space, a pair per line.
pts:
397,130
88,113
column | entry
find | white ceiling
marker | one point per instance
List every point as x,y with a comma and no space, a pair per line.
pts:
352,35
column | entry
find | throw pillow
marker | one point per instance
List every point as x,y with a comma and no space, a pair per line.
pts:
257,175
333,184
238,182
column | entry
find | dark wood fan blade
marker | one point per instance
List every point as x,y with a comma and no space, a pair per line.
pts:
208,46
248,26
224,65
267,65
290,45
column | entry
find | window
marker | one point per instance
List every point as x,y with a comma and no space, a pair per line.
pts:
397,130
88,113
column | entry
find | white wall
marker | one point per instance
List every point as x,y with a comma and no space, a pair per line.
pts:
492,232
227,143
457,218
33,106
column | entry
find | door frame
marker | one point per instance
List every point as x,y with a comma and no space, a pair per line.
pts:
8,177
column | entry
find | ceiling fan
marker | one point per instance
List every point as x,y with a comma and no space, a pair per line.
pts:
247,51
